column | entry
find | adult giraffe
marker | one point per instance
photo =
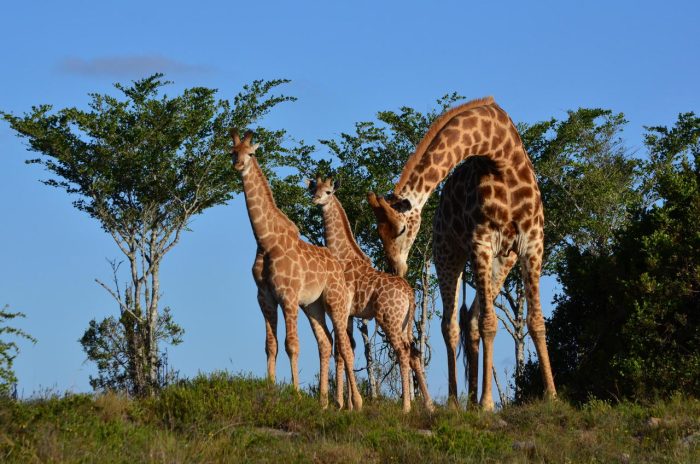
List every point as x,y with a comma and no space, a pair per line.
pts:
501,214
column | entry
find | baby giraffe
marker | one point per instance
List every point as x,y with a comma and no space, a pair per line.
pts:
297,273
388,298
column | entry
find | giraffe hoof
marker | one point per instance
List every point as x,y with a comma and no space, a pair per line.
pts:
453,404
357,403
487,406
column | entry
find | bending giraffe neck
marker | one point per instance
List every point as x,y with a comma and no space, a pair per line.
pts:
339,238
479,127
267,220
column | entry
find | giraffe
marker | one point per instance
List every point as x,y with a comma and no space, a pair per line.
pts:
297,273
268,306
493,224
385,297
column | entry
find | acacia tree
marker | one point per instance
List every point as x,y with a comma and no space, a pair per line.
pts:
143,164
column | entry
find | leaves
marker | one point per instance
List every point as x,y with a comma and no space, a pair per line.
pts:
9,350
628,321
586,177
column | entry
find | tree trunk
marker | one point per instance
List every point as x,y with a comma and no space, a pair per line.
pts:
152,328
422,328
514,321
142,297
425,302
502,395
519,330
369,358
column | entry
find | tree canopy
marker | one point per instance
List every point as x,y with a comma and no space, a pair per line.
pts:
627,323
143,164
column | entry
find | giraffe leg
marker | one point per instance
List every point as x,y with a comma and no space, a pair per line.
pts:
471,350
417,367
501,267
397,340
290,309
338,308
415,361
351,337
317,318
448,270
340,373
531,266
397,336
403,352
414,356
482,258
268,306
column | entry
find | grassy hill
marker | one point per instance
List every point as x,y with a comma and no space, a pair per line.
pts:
225,418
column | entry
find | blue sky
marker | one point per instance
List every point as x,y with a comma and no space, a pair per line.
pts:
346,60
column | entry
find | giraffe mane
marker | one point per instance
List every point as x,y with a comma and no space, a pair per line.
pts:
345,224
346,228
435,127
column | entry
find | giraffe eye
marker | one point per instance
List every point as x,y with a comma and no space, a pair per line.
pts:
328,192
403,229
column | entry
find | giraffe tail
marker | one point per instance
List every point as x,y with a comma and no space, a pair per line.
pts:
463,337
413,350
409,318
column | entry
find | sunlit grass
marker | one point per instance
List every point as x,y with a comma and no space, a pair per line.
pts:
233,418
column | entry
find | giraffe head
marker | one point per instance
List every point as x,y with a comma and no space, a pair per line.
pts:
243,150
322,190
398,225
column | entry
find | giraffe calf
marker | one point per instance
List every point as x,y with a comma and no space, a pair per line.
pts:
377,295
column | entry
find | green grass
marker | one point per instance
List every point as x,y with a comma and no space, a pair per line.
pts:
225,418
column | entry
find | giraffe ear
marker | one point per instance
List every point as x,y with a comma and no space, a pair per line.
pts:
372,199
255,146
402,205
398,223
386,216
311,185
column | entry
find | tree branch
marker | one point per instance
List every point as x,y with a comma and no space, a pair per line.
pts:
508,329
119,300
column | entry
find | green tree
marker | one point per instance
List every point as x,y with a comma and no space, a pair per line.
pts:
143,164
628,321
9,350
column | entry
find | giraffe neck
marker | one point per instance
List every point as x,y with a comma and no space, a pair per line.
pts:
267,220
480,127
339,238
